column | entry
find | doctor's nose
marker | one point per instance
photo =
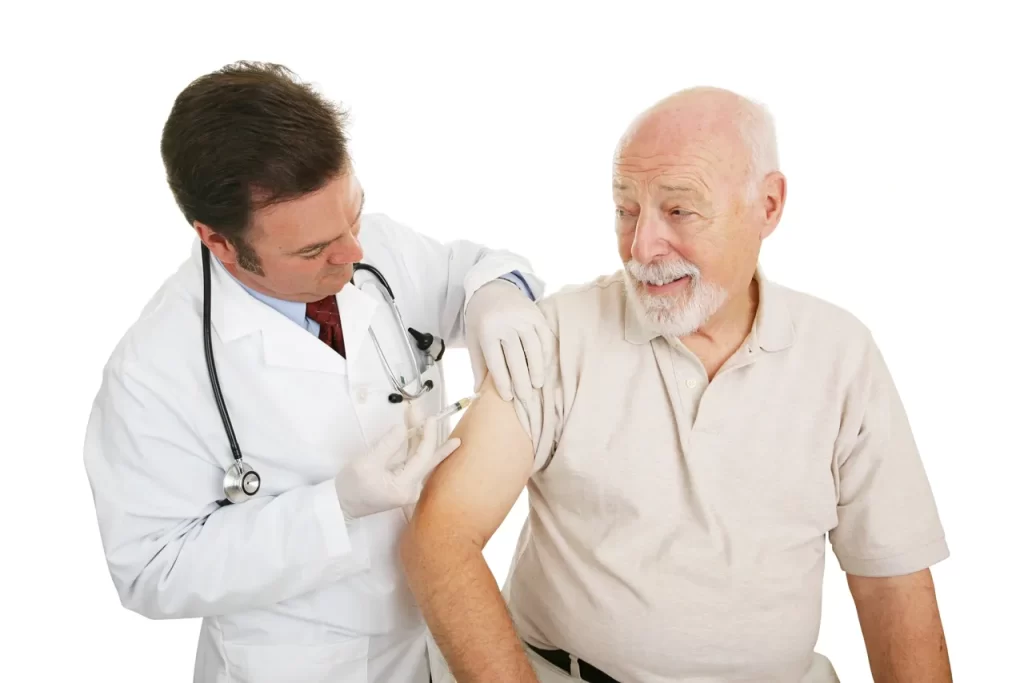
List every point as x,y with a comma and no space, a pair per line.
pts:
651,238
346,250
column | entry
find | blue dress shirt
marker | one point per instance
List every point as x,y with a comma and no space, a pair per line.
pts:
296,310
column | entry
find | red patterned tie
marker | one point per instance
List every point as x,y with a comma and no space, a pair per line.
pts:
325,312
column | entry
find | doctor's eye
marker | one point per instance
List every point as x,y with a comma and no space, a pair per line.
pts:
313,255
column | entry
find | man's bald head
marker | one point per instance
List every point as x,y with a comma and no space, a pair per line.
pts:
738,125
697,187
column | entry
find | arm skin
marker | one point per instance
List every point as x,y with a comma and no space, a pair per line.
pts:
462,505
899,617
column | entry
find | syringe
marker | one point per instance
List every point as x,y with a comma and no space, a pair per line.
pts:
461,404
448,411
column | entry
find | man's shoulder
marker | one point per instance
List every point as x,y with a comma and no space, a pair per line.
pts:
822,322
153,338
592,295
587,305
377,221
388,243
380,229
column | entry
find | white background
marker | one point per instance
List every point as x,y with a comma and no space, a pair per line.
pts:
900,133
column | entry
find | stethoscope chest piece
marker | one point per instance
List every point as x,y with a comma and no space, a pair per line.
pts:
240,482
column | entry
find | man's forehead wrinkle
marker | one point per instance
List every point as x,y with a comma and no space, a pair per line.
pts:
663,182
649,160
696,164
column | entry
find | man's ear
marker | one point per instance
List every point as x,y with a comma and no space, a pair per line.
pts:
774,202
218,245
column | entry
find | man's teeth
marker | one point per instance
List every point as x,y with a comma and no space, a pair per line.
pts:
664,281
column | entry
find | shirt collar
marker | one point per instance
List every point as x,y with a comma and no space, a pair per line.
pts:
293,310
773,326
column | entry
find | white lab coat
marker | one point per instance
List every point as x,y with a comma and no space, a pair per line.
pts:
287,591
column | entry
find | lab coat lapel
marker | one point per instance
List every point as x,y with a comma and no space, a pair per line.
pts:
235,314
357,309
288,345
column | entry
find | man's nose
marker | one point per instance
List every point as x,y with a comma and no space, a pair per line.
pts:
651,237
346,250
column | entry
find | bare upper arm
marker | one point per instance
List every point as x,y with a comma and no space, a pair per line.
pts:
895,591
902,628
472,491
901,606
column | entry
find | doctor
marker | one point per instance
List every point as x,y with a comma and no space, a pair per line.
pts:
295,573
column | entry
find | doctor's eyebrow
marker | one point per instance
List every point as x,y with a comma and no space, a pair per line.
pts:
321,245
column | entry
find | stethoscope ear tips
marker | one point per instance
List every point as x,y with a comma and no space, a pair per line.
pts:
397,398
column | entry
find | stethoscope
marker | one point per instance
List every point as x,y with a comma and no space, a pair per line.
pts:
241,481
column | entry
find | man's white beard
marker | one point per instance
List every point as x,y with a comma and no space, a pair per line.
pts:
677,315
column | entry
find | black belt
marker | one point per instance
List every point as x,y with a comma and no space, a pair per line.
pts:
560,658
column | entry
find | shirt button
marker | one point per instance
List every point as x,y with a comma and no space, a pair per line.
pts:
692,383
361,395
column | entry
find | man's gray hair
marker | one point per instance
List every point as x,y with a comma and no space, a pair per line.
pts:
758,130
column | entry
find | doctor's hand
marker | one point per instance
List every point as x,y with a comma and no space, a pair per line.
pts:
391,474
509,338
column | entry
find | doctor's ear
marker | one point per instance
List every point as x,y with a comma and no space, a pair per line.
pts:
231,252
218,244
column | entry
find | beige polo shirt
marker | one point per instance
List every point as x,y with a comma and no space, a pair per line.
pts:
677,527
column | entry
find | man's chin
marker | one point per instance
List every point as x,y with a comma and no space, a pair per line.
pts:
656,306
672,324
339,277
659,314
679,314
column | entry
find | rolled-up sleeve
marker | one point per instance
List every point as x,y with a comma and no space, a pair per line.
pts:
888,521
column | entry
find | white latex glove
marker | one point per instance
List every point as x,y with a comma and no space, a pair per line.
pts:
509,337
391,474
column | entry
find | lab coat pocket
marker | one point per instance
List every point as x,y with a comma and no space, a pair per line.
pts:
339,662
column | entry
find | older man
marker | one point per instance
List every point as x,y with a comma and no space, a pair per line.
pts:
700,432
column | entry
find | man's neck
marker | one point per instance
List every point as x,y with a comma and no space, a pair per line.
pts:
719,338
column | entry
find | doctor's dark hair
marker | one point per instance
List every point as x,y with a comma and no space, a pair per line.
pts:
246,136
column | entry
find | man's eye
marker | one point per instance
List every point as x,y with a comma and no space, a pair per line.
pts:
681,212
312,255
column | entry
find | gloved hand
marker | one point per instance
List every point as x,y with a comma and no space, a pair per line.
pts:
391,474
509,337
